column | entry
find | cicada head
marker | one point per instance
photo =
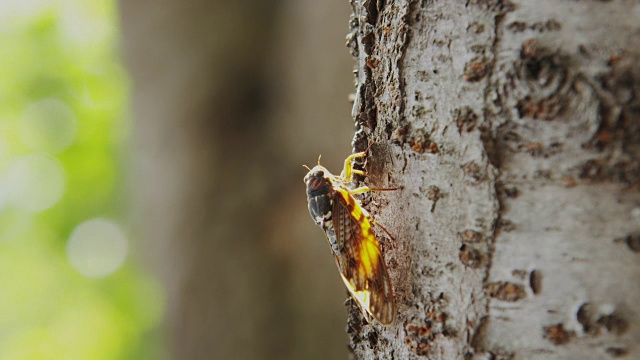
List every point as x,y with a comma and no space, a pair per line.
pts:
318,181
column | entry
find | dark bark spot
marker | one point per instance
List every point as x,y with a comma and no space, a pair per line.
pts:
506,291
478,49
494,152
368,41
422,349
465,119
418,335
617,351
510,191
479,334
543,26
535,281
505,225
592,170
434,194
372,62
470,257
373,8
614,323
542,174
537,149
399,136
633,242
355,320
470,236
545,109
510,136
604,170
418,111
529,49
517,26
585,318
502,355
476,28
474,172
544,75
422,75
420,142
519,273
450,332
549,25
557,334
620,110
476,69
373,339
569,181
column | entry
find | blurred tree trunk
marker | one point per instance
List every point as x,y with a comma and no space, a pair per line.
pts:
219,193
514,128
200,95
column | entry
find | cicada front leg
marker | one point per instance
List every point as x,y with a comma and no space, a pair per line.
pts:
349,171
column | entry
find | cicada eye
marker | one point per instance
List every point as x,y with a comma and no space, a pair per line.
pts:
318,173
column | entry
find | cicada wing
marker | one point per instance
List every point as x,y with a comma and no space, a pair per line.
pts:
360,260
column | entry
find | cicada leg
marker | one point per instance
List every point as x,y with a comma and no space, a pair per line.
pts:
383,228
365,189
348,171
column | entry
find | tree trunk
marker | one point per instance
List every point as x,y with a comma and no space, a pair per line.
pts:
514,130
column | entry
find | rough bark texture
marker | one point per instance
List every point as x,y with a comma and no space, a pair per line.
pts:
514,130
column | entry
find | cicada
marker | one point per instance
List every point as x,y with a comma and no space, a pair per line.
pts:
348,228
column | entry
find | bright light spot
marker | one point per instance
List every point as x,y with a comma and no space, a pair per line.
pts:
34,182
3,148
3,194
97,248
82,26
25,8
48,125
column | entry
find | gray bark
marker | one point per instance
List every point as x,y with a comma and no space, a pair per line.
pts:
514,130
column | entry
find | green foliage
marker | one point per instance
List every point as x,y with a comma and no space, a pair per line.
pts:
63,101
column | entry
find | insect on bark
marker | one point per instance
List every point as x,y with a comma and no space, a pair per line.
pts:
347,227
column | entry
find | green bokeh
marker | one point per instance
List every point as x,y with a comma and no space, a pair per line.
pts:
62,58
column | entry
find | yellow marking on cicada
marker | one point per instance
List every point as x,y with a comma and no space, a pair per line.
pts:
348,171
370,244
367,249
363,296
364,189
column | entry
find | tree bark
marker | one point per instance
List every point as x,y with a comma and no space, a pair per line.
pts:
514,130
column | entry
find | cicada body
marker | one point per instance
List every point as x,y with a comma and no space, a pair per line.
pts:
348,229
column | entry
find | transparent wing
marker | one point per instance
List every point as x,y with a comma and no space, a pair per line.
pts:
360,262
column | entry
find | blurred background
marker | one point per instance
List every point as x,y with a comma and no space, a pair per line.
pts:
151,195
